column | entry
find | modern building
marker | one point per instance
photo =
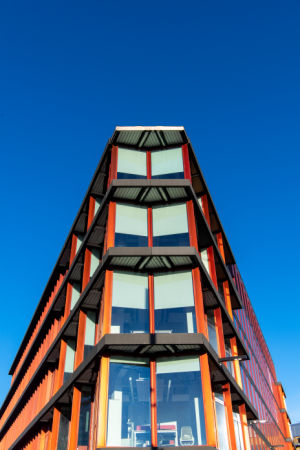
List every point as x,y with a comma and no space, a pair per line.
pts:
296,434
144,335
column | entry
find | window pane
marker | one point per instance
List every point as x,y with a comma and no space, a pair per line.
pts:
167,164
129,404
76,288
238,431
221,422
131,226
84,419
130,313
95,260
170,226
131,163
180,415
228,352
212,333
89,338
174,303
70,358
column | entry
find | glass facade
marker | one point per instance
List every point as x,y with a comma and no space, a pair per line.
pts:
130,310
128,420
131,226
131,163
167,164
180,415
170,226
174,303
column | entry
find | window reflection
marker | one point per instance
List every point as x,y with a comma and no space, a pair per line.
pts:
180,415
167,164
131,226
174,303
170,226
130,313
131,164
129,404
238,431
84,419
221,422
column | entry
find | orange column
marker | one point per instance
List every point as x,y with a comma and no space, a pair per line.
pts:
103,402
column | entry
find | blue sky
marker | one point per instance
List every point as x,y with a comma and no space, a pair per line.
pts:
228,71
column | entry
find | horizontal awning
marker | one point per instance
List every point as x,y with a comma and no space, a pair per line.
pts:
149,137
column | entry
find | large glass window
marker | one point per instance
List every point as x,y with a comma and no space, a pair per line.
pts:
131,163
167,164
84,419
129,403
221,422
212,332
130,312
174,303
170,226
180,415
238,431
131,226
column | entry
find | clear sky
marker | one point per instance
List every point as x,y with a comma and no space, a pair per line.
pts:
228,71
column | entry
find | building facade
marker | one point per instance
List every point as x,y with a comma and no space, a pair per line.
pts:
295,427
144,335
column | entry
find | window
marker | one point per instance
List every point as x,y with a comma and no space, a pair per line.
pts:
212,332
128,422
167,164
84,419
180,415
204,258
131,226
76,288
238,431
130,312
131,164
228,353
170,226
70,358
174,303
64,422
221,422
95,260
89,338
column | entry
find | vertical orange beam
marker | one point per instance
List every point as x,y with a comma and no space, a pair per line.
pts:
74,424
113,167
148,156
107,299
186,162
150,228
244,425
55,430
151,304
192,224
209,413
153,403
103,402
110,229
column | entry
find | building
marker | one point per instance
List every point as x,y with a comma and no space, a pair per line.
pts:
144,334
296,434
